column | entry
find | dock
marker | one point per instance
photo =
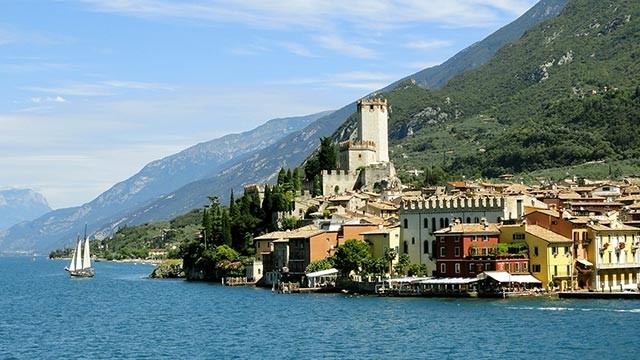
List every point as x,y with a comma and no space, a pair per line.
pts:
599,295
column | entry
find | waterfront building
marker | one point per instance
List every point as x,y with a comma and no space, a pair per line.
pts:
550,254
615,256
381,239
575,228
466,250
421,218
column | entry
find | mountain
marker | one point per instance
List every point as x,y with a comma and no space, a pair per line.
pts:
133,202
565,94
18,205
479,53
57,228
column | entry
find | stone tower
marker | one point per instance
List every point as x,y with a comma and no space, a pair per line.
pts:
371,145
373,126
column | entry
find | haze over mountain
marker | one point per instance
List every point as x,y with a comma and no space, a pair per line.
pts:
17,205
182,182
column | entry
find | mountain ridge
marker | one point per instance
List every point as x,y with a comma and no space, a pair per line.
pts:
258,166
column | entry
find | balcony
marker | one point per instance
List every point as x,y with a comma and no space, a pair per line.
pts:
630,265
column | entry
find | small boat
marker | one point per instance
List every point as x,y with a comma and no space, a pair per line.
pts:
80,265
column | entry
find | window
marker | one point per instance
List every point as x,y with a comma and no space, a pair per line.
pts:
441,239
443,251
535,251
405,247
457,268
406,223
413,241
566,250
472,267
535,268
456,251
555,270
518,236
433,224
487,266
485,238
425,245
425,223
468,220
456,239
474,238
443,268
441,223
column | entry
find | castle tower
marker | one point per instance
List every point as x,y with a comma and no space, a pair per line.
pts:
373,126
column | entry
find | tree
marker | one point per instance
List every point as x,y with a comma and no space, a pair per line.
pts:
318,265
389,256
403,263
282,177
328,155
351,256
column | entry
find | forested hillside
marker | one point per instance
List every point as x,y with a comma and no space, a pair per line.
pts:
565,94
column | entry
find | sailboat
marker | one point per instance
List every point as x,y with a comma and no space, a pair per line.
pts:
80,265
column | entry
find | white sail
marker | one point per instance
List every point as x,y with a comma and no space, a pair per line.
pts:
77,256
86,257
72,265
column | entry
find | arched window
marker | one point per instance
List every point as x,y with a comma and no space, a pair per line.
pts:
405,247
426,246
425,223
406,223
433,224
468,220
446,222
441,223
413,241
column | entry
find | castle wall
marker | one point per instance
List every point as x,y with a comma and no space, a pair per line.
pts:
337,179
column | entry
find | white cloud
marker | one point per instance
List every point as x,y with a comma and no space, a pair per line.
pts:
427,45
102,88
317,14
348,48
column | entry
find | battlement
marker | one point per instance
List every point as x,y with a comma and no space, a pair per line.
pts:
336,173
357,145
380,104
467,204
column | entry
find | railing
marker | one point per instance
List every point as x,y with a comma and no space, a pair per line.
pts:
619,265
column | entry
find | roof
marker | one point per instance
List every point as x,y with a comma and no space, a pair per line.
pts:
469,229
553,213
322,273
585,262
505,277
378,231
545,234
454,281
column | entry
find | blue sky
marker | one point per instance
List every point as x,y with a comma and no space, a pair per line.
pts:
91,91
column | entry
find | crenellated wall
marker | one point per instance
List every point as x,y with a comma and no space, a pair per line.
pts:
460,204
342,179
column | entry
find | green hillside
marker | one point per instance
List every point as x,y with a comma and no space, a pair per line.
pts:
565,94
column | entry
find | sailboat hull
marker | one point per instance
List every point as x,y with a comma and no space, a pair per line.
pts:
89,272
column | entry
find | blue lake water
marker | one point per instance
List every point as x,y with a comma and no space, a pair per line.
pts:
120,314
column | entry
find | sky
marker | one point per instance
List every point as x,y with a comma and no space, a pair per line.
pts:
93,90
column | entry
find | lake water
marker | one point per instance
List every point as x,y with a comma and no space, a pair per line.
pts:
120,314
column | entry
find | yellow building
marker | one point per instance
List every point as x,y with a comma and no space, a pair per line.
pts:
550,254
614,254
382,239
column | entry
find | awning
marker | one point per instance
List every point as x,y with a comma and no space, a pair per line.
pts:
585,262
505,277
322,273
